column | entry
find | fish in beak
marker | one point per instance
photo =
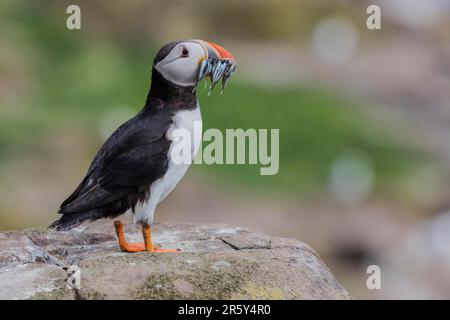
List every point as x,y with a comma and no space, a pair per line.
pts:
217,63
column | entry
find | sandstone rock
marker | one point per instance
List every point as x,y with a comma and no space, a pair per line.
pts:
216,262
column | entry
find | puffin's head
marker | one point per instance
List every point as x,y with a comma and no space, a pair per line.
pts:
185,63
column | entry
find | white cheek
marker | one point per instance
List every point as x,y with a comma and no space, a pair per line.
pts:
182,71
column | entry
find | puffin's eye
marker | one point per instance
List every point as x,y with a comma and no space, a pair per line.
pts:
185,52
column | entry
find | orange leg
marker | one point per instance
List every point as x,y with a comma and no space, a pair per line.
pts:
124,245
147,245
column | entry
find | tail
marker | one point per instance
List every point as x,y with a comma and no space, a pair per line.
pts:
70,221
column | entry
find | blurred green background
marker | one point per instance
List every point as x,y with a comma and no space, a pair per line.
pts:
364,118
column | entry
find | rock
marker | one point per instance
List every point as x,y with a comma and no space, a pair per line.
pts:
216,262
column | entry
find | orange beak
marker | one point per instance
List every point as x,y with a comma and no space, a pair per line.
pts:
218,63
220,52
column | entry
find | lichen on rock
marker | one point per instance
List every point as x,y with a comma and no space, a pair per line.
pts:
216,262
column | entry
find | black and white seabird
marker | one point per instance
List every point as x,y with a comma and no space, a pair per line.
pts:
133,170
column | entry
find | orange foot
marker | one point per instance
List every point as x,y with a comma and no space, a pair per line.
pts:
141,246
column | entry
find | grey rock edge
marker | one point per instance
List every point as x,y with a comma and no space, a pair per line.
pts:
216,262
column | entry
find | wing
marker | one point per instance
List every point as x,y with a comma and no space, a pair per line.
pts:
130,160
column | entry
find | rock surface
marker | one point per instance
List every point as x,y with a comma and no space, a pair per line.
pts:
216,262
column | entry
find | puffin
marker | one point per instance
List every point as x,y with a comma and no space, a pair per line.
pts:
134,170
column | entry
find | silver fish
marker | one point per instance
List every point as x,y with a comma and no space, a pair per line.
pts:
214,70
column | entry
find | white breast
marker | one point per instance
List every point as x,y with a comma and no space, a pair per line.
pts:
181,120
160,189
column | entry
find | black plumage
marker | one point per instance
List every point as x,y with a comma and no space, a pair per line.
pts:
133,157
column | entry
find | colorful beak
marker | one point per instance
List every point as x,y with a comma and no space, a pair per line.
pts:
218,52
218,63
